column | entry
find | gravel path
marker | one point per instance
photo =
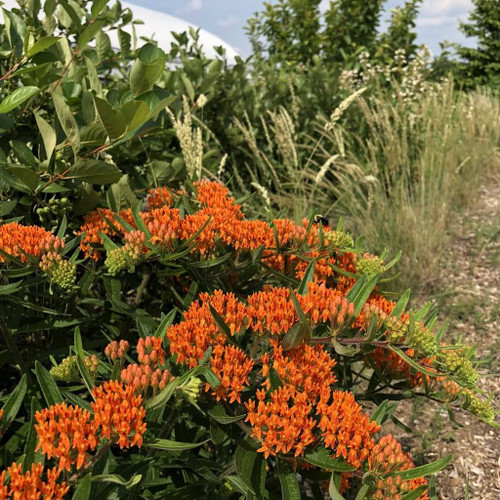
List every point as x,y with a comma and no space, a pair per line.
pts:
467,291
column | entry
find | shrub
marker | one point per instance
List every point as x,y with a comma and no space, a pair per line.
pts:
198,353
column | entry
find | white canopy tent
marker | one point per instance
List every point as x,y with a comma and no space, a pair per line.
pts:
159,27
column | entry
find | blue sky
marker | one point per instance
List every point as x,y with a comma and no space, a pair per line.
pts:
438,19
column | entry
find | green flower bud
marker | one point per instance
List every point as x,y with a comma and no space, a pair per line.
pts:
370,265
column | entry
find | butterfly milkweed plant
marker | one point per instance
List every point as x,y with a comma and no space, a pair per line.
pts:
212,356
158,340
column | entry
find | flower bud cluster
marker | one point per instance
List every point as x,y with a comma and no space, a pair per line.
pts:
370,265
452,390
478,407
117,350
387,457
460,367
423,340
54,211
128,255
192,388
143,376
338,239
67,369
397,329
150,351
62,272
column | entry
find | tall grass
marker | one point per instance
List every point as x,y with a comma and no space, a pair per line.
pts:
400,180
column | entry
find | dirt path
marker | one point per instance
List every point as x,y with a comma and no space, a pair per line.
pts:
468,294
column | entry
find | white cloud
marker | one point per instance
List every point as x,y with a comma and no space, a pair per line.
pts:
435,20
445,7
228,21
191,6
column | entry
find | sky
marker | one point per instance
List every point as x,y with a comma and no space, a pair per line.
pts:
438,19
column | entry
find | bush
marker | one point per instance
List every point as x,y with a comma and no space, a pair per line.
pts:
197,353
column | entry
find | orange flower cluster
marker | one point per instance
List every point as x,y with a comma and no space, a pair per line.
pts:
119,413
191,338
150,351
159,197
345,428
103,221
395,367
66,433
18,240
284,423
306,368
232,366
31,486
164,225
386,457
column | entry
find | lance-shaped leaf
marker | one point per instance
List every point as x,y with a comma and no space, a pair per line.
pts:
17,97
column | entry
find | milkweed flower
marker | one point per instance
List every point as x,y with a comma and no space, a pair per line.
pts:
345,428
159,197
66,433
119,414
387,457
232,367
306,368
282,424
30,485
103,221
190,338
116,350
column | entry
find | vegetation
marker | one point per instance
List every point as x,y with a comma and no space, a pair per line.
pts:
164,338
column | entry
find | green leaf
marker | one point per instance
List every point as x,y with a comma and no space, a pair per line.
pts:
95,172
163,396
383,411
10,288
97,6
333,490
360,292
89,33
42,44
13,403
167,444
125,40
322,459
308,276
47,384
414,494
113,121
135,114
412,362
6,207
362,492
251,466
82,491
48,135
224,328
218,413
67,120
30,455
424,470
28,177
147,68
188,86
295,336
298,308
290,489
17,97
80,356
400,306
117,479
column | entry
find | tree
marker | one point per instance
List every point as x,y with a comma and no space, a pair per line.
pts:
401,32
351,25
482,63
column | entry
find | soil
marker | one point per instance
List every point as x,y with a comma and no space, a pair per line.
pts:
467,291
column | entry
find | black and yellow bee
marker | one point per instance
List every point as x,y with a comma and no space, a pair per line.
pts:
319,219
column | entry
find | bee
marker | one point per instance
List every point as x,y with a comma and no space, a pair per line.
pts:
319,219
